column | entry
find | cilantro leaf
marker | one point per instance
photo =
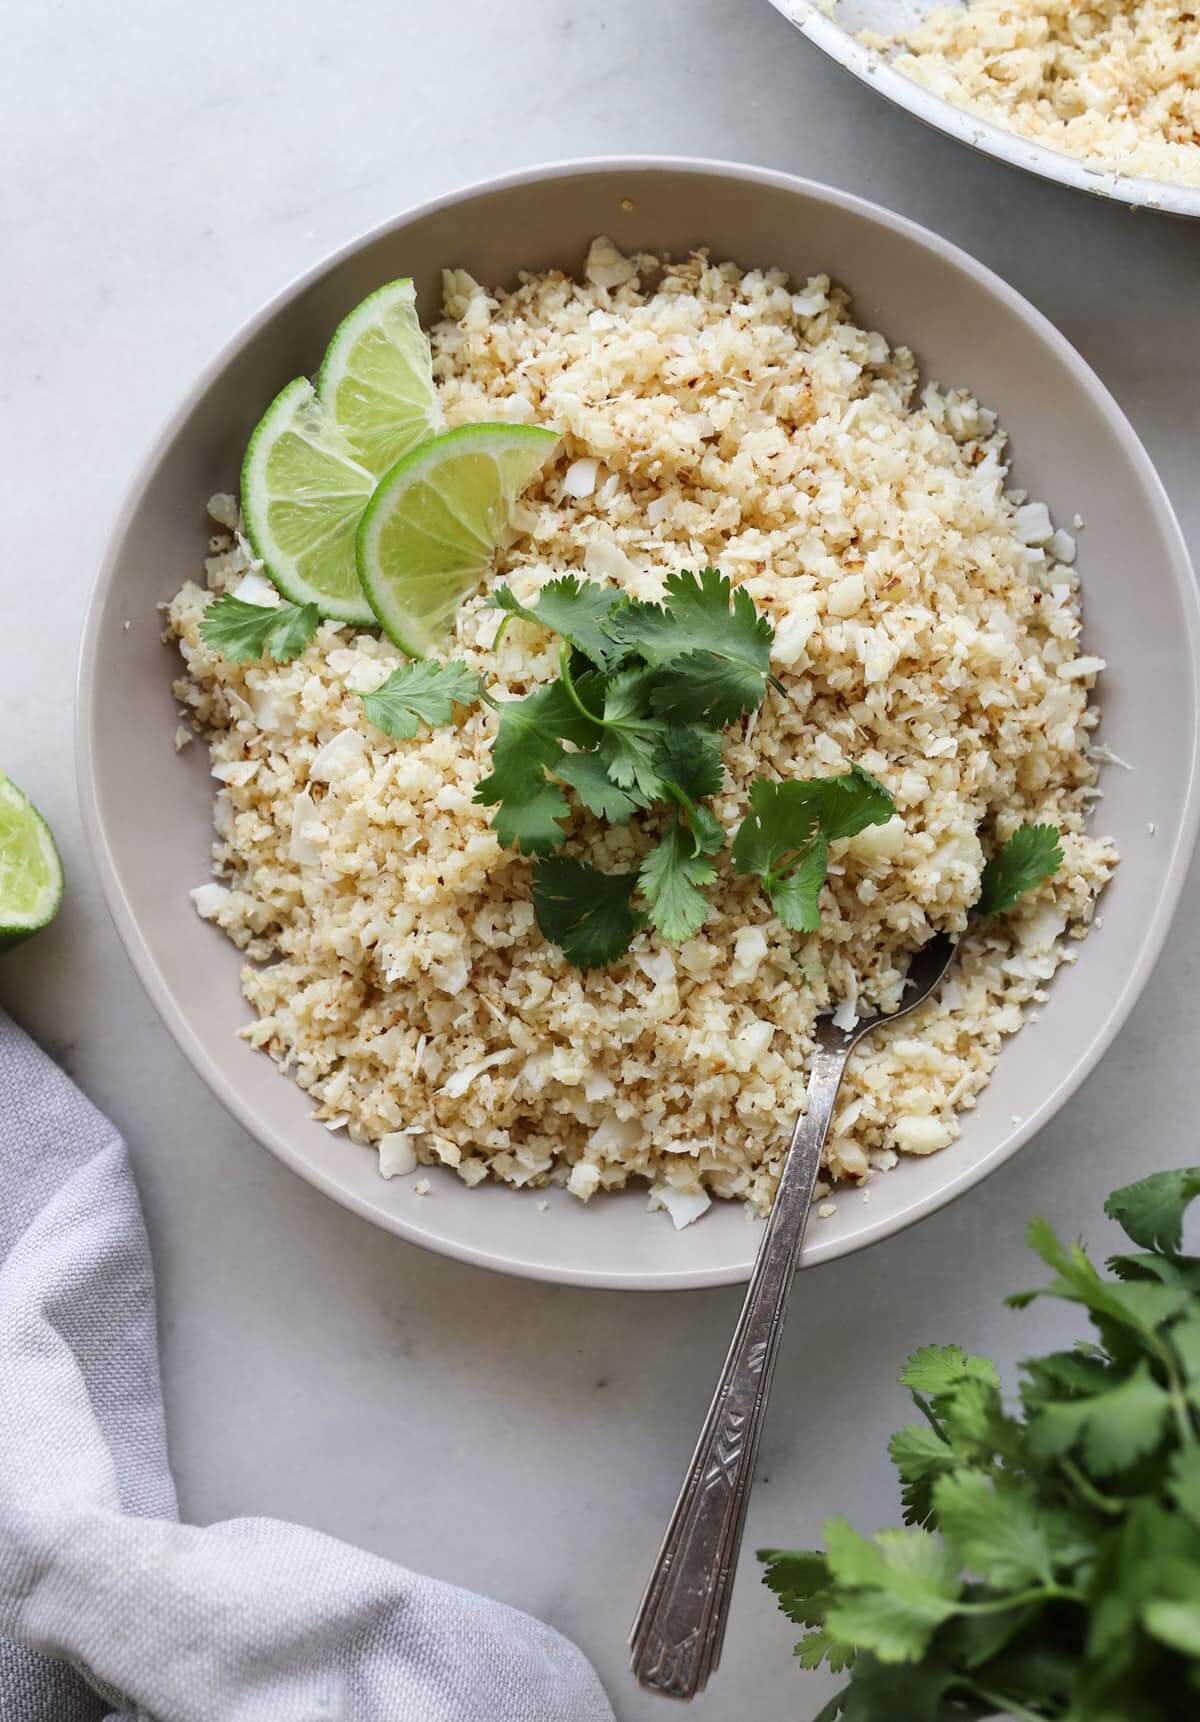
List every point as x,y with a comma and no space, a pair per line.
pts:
883,1692
921,1455
939,1369
1112,1429
585,912
422,691
600,795
1151,1211
800,1579
630,738
796,896
975,1423
527,744
704,687
1184,1484
785,836
689,760
718,657
1137,1306
1175,1622
892,1591
575,610
1032,854
997,1527
674,873
243,632
817,1647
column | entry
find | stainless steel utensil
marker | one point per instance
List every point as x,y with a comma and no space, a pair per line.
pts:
677,1636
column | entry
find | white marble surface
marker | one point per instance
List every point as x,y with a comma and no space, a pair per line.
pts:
167,168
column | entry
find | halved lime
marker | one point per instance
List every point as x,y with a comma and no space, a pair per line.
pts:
31,875
437,519
303,494
377,379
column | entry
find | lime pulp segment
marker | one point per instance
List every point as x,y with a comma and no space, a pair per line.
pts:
31,878
376,379
436,521
303,495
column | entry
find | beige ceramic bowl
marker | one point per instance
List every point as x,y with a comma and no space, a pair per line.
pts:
148,810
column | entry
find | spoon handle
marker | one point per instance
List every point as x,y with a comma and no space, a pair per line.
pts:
677,1636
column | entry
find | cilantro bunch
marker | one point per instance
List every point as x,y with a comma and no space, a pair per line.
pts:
1052,1570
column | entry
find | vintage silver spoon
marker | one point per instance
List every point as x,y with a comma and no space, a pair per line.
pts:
680,1626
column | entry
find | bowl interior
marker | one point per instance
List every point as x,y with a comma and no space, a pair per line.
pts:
149,809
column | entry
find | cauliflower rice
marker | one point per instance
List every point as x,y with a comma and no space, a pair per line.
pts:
927,626
1116,82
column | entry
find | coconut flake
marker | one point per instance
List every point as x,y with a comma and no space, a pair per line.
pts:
340,755
580,477
458,1082
684,1206
255,588
208,900
398,1153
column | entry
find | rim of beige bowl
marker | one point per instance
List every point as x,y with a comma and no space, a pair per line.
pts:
873,69
193,1048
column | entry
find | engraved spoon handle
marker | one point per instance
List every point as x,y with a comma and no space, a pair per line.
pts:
677,1636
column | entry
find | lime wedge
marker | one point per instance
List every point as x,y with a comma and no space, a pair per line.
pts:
303,494
377,381
31,876
436,520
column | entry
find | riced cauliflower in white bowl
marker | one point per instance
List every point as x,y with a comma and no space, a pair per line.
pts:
920,531
1099,95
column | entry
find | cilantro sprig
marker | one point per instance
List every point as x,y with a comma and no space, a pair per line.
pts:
1032,853
1052,1565
244,632
422,691
785,837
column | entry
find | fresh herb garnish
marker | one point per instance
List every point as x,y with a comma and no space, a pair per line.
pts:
573,609
1053,1567
1032,854
243,632
420,692
586,912
785,837
631,739
528,743
585,774
643,691
714,659
673,875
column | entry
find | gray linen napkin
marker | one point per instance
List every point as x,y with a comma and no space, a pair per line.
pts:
106,1600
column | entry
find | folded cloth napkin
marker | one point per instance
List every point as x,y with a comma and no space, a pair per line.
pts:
108,1605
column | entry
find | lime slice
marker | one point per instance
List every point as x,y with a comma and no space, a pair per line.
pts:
436,520
377,381
31,876
303,494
